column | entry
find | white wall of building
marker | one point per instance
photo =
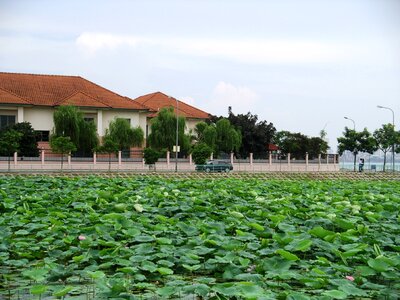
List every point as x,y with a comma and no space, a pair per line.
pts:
41,118
136,118
191,124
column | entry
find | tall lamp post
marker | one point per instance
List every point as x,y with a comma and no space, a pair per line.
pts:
354,123
384,107
177,131
354,128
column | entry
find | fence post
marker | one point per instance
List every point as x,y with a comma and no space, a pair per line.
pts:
15,158
42,156
270,158
251,159
232,158
94,158
168,158
319,161
119,158
306,161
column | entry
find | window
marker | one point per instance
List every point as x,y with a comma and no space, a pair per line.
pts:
88,119
42,136
6,121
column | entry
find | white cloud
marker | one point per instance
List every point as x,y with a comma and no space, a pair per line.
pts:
93,42
257,51
240,98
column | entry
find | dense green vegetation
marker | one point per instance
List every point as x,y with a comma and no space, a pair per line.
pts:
217,238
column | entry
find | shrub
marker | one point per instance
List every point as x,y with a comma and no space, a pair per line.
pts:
201,152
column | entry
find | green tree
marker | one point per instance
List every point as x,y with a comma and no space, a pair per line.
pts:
150,156
88,139
163,131
207,134
67,121
298,144
109,146
228,138
256,135
28,144
356,142
386,138
200,153
316,146
121,132
9,143
62,145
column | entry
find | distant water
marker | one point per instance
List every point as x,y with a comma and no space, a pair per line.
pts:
370,166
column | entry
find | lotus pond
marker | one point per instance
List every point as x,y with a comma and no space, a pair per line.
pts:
217,238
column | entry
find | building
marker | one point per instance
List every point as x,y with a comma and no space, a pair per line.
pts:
33,98
158,100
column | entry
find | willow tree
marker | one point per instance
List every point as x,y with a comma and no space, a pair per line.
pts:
163,131
88,139
67,121
121,132
228,138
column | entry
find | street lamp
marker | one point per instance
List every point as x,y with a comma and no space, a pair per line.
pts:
384,107
176,144
354,123
354,128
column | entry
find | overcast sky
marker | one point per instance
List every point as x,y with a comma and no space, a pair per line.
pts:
301,64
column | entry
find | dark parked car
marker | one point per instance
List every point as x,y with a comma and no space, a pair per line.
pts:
215,166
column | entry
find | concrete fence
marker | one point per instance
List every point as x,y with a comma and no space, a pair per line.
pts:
324,163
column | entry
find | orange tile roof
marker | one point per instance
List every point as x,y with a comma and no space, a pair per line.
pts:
158,100
54,90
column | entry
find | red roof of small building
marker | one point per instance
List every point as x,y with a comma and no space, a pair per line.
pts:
158,100
272,147
55,90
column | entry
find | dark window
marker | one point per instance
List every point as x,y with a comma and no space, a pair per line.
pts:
42,136
89,119
6,121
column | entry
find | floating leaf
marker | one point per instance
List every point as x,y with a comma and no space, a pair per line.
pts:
335,294
38,289
62,292
165,271
378,264
287,255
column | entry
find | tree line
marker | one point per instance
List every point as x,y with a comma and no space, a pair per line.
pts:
385,139
241,134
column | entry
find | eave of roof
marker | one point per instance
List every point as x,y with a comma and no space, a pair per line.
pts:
55,90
